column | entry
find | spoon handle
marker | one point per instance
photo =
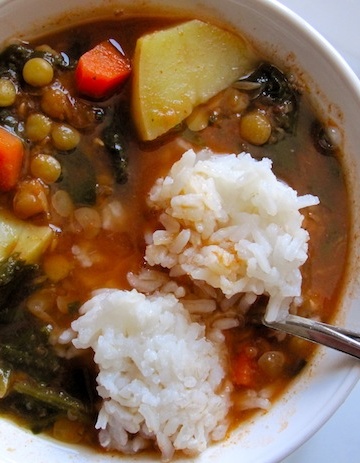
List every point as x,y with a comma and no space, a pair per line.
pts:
321,333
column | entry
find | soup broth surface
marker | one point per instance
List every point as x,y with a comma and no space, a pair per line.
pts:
100,224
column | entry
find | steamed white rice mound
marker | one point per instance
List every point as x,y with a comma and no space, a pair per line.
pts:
230,222
160,378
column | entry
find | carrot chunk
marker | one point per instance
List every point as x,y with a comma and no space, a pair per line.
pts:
102,70
244,371
11,159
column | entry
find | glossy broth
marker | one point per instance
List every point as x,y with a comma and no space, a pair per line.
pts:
68,277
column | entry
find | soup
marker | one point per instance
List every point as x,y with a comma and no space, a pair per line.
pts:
98,251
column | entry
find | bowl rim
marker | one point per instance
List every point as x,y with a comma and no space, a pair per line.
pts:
345,382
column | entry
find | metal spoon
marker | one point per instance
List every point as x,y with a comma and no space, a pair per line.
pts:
321,333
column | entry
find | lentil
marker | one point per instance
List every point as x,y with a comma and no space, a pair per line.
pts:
46,168
30,199
255,127
65,137
7,92
37,127
38,72
56,267
62,204
272,363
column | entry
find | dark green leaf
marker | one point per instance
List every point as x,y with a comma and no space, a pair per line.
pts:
78,177
17,281
115,144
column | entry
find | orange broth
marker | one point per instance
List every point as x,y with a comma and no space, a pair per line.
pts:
117,251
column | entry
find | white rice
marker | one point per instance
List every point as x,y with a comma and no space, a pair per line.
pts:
236,231
230,222
160,378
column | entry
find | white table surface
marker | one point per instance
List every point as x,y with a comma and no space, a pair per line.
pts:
338,441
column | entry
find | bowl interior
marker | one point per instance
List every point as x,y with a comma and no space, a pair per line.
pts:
287,40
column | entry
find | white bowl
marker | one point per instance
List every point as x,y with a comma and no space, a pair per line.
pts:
325,383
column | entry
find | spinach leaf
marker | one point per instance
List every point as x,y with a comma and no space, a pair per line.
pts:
115,143
17,281
24,346
35,383
78,177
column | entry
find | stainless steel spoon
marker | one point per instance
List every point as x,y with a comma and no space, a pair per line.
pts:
341,339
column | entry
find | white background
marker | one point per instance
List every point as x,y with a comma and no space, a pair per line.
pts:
338,441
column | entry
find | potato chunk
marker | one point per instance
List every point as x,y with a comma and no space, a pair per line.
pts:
25,239
178,68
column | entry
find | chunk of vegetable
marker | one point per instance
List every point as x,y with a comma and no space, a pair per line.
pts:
27,240
17,280
178,68
11,159
78,177
33,380
27,349
244,370
115,143
101,70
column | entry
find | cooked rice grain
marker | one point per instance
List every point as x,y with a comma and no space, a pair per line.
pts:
160,379
238,227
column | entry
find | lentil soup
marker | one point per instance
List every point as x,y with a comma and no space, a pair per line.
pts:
81,186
